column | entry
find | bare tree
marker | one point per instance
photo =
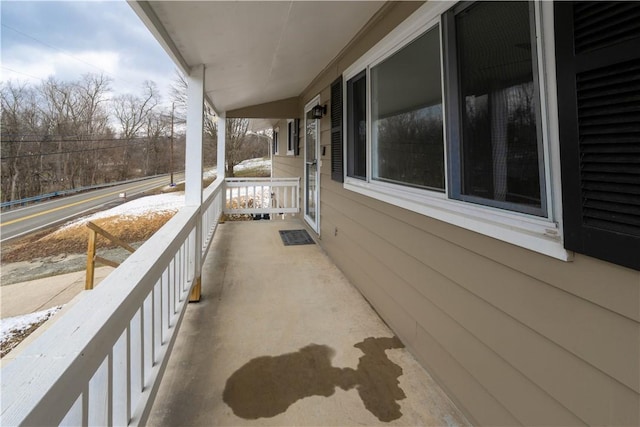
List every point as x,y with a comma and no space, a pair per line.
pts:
178,93
94,119
157,149
132,113
14,111
236,141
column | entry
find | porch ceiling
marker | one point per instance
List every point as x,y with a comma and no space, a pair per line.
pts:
254,52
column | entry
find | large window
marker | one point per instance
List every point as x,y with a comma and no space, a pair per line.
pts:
494,144
406,115
443,117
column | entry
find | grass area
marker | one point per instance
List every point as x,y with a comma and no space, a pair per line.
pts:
74,239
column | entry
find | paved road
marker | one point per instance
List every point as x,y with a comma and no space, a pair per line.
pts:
18,222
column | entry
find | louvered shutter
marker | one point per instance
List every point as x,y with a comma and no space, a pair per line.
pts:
296,137
337,173
598,76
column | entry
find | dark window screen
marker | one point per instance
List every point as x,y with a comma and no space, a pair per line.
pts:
500,150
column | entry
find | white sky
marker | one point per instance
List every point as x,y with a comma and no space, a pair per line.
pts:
67,39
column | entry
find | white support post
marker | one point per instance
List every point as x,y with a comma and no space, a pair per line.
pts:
222,142
193,164
195,126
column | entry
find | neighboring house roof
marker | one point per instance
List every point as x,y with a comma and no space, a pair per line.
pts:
254,52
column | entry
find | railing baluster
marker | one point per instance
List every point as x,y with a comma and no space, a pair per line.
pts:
178,285
129,377
185,262
74,416
157,321
165,304
98,406
172,290
119,379
136,349
189,251
146,330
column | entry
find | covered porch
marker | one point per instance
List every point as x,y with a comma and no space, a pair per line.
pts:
280,337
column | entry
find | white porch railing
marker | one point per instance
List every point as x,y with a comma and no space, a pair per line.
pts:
102,362
262,195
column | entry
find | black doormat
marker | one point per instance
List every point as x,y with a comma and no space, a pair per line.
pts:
296,237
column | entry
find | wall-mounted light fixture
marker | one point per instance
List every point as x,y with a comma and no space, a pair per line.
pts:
318,111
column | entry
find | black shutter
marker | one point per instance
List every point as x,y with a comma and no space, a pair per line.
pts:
598,76
337,172
296,137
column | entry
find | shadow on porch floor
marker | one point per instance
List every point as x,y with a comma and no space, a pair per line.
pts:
281,337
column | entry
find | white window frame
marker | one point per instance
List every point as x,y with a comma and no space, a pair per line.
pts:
539,234
290,124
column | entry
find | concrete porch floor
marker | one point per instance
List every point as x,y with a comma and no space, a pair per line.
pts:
280,338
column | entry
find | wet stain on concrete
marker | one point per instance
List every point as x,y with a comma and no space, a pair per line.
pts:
266,386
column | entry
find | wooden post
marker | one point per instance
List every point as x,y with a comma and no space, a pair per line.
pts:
91,257
196,291
94,230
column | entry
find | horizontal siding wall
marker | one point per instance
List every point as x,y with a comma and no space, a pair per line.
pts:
284,165
515,337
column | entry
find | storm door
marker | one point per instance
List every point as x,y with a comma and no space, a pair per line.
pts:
312,167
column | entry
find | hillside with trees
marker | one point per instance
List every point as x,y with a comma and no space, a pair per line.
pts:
60,135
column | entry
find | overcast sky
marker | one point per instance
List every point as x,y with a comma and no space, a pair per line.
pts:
67,39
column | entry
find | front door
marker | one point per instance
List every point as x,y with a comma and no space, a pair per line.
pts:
312,167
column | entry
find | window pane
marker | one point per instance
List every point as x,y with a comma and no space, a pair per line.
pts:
357,126
406,115
499,142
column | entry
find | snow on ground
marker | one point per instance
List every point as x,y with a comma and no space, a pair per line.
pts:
258,163
211,173
11,326
170,202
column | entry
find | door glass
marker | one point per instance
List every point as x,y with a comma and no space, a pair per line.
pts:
311,168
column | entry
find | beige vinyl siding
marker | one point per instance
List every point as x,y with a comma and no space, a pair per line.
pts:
514,336
285,165
487,313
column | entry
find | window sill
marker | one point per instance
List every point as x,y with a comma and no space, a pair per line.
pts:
290,153
536,234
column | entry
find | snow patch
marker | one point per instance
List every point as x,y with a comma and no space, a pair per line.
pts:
258,163
211,173
11,326
170,202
